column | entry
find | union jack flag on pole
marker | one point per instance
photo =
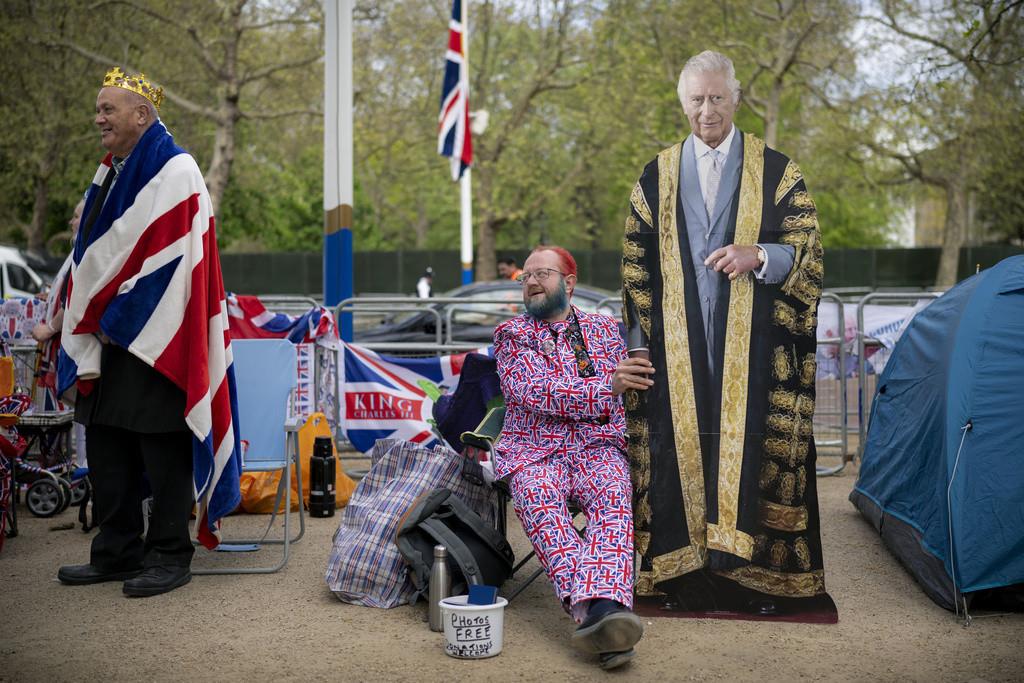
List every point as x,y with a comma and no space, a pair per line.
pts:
453,136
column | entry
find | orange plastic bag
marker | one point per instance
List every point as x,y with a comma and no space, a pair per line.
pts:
6,376
259,488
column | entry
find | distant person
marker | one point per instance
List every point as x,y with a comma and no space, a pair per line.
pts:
721,269
144,342
50,328
425,285
47,333
507,269
562,372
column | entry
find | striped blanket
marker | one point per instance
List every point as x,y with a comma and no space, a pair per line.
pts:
148,277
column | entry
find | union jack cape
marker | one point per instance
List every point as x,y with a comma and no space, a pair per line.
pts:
149,278
453,136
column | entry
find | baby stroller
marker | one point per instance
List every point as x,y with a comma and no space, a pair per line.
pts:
45,465
35,445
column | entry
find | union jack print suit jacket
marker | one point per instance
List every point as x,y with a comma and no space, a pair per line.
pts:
549,407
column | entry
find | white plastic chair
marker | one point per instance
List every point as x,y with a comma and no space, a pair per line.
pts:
265,377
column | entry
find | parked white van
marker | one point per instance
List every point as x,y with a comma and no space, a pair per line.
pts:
17,278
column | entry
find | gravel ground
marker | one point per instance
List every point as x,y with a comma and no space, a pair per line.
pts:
289,626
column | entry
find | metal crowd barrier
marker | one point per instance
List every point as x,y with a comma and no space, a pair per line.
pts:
443,342
831,414
288,304
610,302
866,393
831,417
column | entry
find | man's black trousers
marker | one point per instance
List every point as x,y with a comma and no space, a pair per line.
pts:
117,460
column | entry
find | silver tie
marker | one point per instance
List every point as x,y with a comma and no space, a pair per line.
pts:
711,186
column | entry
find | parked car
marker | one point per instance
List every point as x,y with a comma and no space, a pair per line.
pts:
474,322
17,278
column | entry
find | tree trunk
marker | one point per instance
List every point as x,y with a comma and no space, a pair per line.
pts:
954,233
486,265
36,229
771,115
219,171
421,226
40,207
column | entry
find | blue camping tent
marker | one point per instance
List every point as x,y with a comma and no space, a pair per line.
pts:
942,475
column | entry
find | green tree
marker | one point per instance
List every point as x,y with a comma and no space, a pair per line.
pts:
786,48
222,62
1000,188
407,199
49,151
965,70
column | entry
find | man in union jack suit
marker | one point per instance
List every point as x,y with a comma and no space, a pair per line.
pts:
145,342
562,374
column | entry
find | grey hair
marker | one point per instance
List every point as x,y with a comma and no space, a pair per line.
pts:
151,110
709,61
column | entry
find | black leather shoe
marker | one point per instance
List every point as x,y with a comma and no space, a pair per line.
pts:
157,580
613,660
763,607
614,630
693,592
85,574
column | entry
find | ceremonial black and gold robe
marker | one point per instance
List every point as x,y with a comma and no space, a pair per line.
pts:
723,462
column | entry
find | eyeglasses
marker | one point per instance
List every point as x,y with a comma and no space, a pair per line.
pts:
540,275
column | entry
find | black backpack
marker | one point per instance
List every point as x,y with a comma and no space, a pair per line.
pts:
477,553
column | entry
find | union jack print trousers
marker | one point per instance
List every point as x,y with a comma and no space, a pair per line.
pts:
598,564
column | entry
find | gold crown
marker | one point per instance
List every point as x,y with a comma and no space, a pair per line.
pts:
138,84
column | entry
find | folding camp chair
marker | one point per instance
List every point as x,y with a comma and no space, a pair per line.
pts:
482,439
265,376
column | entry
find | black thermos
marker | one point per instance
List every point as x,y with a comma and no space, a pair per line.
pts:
321,478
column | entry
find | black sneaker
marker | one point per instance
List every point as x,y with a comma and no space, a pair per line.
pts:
608,628
613,660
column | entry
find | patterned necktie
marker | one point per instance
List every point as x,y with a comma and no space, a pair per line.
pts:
570,329
711,185
584,366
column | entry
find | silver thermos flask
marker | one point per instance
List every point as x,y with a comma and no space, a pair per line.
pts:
440,586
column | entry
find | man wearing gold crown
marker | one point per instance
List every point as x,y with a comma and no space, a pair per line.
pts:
145,343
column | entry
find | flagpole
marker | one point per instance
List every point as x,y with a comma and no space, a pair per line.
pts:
338,192
465,184
467,227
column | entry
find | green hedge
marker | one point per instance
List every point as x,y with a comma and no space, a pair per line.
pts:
397,271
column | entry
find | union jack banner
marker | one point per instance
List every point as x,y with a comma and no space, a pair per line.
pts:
386,397
147,275
250,319
453,136
19,316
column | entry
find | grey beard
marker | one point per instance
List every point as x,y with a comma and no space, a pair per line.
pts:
551,304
